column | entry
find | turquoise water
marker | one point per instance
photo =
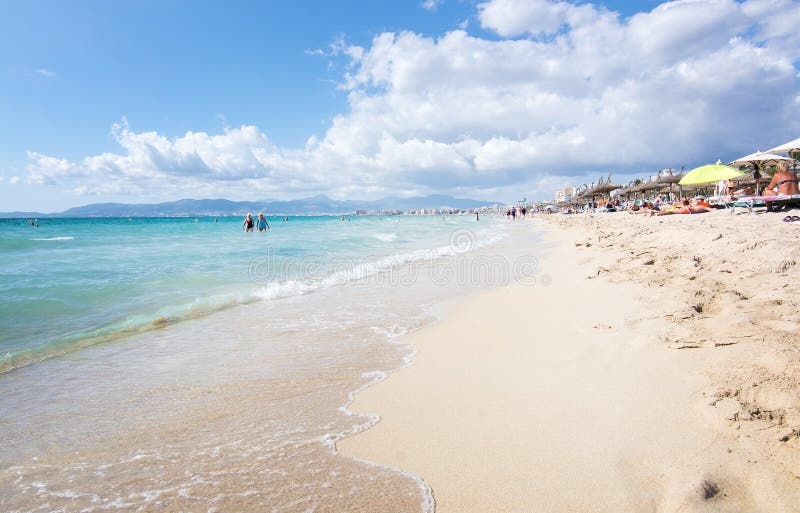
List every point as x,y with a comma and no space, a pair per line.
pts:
174,364
75,282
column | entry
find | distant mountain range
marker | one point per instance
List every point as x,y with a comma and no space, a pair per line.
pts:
320,204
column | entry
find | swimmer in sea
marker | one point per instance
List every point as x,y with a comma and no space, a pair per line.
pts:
248,223
263,225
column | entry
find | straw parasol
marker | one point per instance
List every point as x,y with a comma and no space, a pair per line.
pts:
667,178
580,192
649,184
636,186
628,188
590,192
607,186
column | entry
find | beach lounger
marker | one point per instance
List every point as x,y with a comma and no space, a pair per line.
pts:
749,202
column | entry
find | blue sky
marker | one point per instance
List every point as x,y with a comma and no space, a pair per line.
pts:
364,99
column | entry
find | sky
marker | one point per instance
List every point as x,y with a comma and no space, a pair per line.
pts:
150,101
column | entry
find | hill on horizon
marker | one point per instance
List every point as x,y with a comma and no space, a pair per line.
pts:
320,204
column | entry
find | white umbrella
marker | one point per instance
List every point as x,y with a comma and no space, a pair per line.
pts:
788,147
759,159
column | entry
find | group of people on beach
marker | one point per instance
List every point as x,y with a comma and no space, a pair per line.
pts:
697,205
511,213
783,183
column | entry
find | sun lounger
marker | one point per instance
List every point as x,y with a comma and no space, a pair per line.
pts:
749,202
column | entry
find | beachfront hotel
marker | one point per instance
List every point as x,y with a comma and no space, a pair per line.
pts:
565,194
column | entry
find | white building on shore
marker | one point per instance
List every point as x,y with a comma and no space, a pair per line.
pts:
565,194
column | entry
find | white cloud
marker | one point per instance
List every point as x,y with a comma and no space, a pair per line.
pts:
776,23
14,180
430,5
512,18
568,90
45,72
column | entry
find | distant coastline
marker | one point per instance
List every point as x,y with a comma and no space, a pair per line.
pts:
316,205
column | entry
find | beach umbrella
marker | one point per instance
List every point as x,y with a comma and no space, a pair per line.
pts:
606,186
758,159
789,147
649,184
792,148
634,188
709,173
667,178
628,188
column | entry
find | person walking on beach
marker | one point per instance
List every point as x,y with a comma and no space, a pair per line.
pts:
263,225
477,216
248,223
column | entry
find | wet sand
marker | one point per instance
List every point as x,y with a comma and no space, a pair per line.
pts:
654,365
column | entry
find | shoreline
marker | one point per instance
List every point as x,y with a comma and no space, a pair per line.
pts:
617,418
239,408
181,309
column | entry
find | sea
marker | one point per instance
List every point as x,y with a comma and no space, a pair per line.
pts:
182,364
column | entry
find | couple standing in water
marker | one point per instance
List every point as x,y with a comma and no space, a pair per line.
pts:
249,223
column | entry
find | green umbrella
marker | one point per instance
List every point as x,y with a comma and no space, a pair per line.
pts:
709,173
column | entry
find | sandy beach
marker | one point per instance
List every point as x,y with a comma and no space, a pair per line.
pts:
654,365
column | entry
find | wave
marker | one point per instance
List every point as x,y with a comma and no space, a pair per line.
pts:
57,238
354,271
385,237
359,271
